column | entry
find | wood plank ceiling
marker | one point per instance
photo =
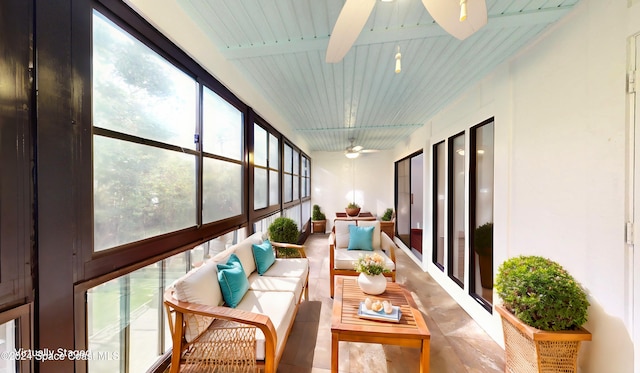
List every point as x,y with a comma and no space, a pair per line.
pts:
280,46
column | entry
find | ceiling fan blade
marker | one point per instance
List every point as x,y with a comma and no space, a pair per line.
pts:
447,15
357,148
353,16
369,151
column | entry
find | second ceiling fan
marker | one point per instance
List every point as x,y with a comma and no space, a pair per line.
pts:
460,18
353,151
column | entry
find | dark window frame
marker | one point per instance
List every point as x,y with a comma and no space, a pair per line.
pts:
65,200
261,213
473,186
99,263
434,199
17,245
450,229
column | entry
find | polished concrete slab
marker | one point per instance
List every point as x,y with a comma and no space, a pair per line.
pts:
458,344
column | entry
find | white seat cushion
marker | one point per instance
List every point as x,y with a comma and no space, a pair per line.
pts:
344,259
272,283
290,267
278,305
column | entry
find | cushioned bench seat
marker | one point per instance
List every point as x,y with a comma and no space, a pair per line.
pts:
243,297
281,308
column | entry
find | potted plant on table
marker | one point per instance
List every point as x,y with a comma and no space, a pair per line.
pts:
371,268
483,246
352,209
318,220
284,230
543,311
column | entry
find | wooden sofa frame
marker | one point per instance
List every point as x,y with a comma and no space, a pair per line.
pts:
176,311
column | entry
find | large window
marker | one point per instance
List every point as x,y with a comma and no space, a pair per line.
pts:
463,195
409,189
127,324
481,217
288,173
146,133
305,174
456,233
439,193
8,347
15,340
297,186
222,145
169,169
144,117
266,185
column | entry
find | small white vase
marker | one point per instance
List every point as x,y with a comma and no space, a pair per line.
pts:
373,285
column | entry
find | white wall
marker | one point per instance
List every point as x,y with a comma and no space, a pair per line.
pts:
334,178
559,110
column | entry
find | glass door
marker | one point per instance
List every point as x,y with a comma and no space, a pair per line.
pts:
409,201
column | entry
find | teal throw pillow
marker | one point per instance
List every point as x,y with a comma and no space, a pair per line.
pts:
264,256
360,238
233,281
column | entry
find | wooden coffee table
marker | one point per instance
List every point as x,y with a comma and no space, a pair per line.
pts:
346,326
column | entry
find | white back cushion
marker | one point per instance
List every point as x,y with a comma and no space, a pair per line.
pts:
342,233
376,231
245,253
199,286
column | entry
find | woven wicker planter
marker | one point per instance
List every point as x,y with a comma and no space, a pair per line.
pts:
528,349
319,226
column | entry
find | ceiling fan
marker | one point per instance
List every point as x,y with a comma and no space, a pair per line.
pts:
354,151
460,18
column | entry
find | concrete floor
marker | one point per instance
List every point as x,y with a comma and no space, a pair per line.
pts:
458,344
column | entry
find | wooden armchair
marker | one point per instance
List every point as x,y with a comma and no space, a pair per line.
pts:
341,260
229,345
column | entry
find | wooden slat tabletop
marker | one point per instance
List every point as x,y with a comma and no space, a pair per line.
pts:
347,301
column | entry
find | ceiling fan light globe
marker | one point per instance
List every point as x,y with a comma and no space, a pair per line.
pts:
351,154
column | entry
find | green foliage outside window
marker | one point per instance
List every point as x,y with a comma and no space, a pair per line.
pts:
144,153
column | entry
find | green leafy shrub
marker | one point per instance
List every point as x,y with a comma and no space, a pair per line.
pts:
541,293
317,214
284,230
388,213
483,239
353,205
